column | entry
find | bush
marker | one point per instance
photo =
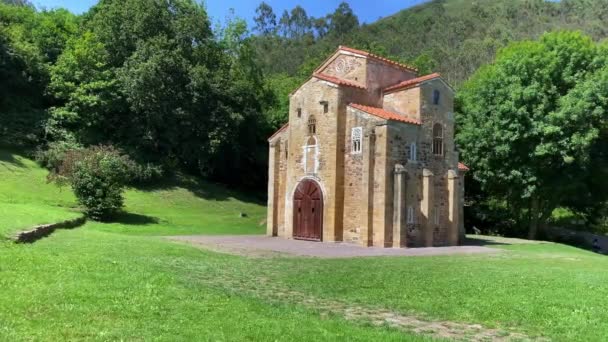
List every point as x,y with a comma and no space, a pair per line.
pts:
98,176
145,173
53,156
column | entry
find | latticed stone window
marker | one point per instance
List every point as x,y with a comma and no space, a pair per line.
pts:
436,216
312,125
438,140
413,152
410,215
356,137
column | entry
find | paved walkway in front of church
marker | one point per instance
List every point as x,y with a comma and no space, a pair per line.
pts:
259,245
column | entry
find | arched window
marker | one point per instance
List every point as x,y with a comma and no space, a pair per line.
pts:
356,137
436,97
413,152
312,125
438,140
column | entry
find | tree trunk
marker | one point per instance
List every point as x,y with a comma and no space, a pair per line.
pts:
533,229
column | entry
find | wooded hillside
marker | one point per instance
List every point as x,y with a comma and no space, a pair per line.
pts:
453,37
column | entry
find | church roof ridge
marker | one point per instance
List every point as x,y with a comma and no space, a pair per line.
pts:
378,58
462,167
278,131
385,114
412,82
338,81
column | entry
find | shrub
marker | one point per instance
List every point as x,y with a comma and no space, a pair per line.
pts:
98,176
53,156
144,173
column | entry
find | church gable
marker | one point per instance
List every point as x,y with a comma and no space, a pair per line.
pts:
347,67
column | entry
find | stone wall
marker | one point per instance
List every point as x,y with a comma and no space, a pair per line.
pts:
354,173
38,232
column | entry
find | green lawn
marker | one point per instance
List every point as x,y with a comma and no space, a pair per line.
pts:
122,281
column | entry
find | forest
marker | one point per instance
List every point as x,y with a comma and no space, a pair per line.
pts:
157,81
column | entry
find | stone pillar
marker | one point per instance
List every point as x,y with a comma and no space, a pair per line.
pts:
453,208
367,198
383,191
399,214
461,229
426,207
273,188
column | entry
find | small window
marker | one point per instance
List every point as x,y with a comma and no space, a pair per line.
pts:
436,216
286,151
312,125
413,152
356,136
325,106
438,140
436,97
299,112
410,215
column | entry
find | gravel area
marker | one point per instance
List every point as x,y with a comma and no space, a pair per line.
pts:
258,245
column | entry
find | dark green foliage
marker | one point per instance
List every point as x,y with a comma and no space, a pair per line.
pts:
55,153
98,176
454,37
533,126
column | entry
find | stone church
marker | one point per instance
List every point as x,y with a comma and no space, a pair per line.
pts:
367,157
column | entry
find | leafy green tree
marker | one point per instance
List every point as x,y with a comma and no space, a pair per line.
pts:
299,22
517,131
343,21
88,91
265,19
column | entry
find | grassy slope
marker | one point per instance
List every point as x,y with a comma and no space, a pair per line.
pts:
107,282
25,197
97,282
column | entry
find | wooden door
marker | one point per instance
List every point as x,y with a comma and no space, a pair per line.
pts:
308,211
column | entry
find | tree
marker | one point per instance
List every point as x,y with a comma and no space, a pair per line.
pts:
517,129
343,21
299,23
265,19
85,85
320,26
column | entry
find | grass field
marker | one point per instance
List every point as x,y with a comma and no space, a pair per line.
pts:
123,281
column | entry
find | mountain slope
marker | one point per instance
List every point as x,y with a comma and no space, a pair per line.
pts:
453,37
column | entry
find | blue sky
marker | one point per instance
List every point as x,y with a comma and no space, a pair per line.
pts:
367,10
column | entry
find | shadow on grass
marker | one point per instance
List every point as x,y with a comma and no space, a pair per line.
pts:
480,241
205,189
132,219
7,155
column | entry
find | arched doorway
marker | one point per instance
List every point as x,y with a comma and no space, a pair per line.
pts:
308,211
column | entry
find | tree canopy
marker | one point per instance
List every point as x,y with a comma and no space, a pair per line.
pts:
532,121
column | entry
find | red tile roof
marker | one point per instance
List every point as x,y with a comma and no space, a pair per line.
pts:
411,83
462,167
378,58
338,81
379,112
279,131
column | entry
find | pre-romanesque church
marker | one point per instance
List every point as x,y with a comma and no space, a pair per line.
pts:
367,157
